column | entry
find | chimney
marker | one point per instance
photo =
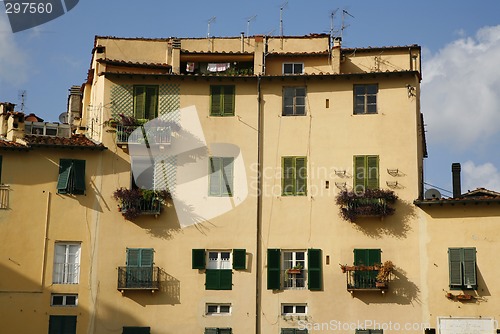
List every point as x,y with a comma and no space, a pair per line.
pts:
455,171
336,54
15,126
242,38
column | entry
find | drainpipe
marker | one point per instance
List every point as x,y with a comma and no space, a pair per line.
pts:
260,155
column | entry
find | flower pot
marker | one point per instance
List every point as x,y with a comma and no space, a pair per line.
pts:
294,271
381,285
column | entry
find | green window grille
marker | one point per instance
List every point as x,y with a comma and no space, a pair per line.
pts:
222,100
294,101
146,101
366,169
462,264
71,177
294,176
221,176
365,99
62,324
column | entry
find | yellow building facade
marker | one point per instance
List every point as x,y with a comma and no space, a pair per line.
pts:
236,185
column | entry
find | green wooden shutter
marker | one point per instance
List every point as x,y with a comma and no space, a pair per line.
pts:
288,331
216,100
212,279
239,259
228,100
65,167
301,175
376,331
198,258
359,173
372,172
78,177
288,174
469,259
225,330
314,269
215,176
225,279
62,324
361,257
139,102
211,331
374,256
227,176
133,257
273,269
455,264
301,331
151,103
362,331
147,257
136,330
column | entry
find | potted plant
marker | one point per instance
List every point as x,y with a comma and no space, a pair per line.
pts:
295,270
464,296
383,274
371,202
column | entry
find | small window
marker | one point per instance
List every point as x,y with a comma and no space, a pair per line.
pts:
293,331
294,177
462,264
219,260
66,263
294,101
222,100
71,177
218,309
365,99
213,330
221,176
59,324
64,300
293,309
293,68
218,266
366,172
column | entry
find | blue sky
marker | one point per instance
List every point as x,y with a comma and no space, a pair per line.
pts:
460,42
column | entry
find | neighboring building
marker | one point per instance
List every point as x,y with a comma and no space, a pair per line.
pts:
261,143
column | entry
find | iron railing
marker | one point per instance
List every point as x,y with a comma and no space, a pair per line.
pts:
147,135
363,278
138,278
144,206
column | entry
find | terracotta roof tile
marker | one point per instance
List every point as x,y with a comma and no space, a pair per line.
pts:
75,141
118,62
10,145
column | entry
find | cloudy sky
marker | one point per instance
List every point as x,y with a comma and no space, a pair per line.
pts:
460,43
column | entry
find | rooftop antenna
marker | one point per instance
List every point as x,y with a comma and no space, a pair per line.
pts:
23,96
250,19
344,12
210,21
283,6
332,16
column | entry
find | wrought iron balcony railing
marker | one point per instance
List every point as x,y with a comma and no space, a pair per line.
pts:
138,278
143,206
145,135
363,278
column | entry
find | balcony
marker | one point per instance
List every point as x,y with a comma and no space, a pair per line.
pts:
138,278
148,135
136,202
369,203
368,278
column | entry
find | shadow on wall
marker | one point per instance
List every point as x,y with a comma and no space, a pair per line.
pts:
168,294
396,226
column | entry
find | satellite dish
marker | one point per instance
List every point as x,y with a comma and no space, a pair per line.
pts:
63,117
432,193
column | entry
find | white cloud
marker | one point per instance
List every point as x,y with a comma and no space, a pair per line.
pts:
480,176
13,61
460,95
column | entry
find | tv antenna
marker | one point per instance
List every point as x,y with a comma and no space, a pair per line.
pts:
23,96
210,21
332,17
282,8
344,13
250,19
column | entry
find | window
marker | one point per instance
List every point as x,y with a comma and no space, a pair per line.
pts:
294,101
293,331
139,271
305,269
64,300
146,102
66,263
369,331
293,309
462,263
294,182
366,257
62,324
218,266
221,176
365,99
71,177
366,169
218,309
213,330
136,330
222,100
293,68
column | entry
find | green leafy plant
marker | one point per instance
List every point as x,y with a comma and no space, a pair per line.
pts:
130,200
371,202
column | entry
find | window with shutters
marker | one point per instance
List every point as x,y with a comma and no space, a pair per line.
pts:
215,330
136,330
71,177
366,172
222,100
139,271
462,268
294,101
145,101
293,68
217,309
294,176
364,276
221,176
365,99
293,331
64,300
294,309
66,263
218,266
369,331
294,269
62,324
